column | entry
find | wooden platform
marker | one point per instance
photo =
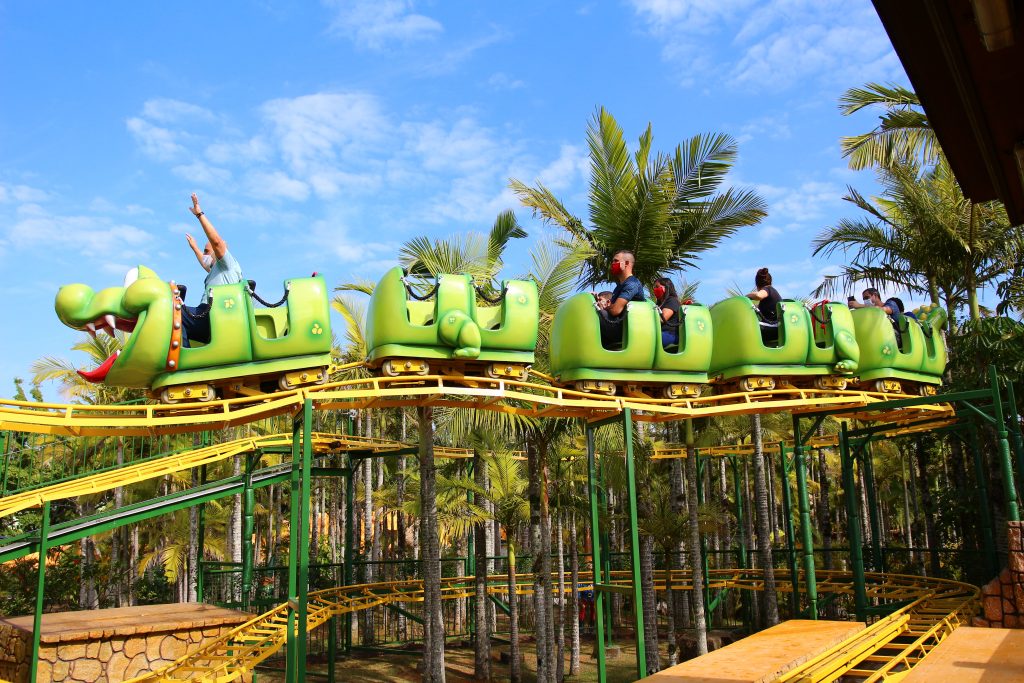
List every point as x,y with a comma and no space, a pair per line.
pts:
763,655
110,644
991,655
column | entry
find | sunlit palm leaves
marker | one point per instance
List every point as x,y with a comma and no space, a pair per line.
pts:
667,209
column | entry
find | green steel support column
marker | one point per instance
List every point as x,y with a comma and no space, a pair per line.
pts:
303,557
595,545
471,558
606,550
860,597
874,515
1009,488
741,550
703,539
350,542
1013,424
37,617
806,532
291,665
787,510
634,538
991,559
248,525
201,542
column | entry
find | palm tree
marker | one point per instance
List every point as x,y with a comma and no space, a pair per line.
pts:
512,511
666,208
764,534
903,133
922,234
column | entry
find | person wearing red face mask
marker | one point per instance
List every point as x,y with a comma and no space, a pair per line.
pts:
627,288
668,308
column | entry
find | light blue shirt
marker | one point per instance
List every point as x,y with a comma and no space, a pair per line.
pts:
225,271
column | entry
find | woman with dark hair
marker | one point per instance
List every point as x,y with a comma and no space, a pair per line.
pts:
668,309
766,296
767,299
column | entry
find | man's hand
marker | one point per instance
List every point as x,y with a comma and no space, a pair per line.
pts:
191,240
195,206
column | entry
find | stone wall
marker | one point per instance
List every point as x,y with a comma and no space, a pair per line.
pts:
103,654
1002,598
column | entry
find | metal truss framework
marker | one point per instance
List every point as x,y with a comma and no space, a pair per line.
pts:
887,415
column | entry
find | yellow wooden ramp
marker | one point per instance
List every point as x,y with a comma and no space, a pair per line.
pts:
974,655
763,655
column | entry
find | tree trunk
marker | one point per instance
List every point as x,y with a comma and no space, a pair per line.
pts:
670,598
560,630
824,508
482,636
574,621
541,557
433,626
696,565
650,600
764,542
678,502
515,666
236,533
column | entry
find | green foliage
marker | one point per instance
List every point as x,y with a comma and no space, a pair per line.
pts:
665,208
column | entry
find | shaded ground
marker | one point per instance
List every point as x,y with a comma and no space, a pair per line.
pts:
459,663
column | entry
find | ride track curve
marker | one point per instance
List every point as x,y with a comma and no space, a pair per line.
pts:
935,609
883,651
532,399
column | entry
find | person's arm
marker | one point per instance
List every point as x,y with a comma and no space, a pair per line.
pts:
853,303
195,250
618,306
220,247
758,294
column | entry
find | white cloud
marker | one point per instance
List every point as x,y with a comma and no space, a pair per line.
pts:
461,147
324,126
103,205
807,202
11,194
255,148
201,173
166,110
565,172
771,45
88,236
376,24
159,143
502,81
277,184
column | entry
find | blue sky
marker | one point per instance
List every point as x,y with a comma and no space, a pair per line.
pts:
320,136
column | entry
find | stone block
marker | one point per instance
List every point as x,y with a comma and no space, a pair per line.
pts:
86,670
992,608
92,650
1004,576
61,670
153,644
116,667
138,664
106,650
1011,621
1018,595
980,622
1015,535
171,648
992,587
134,646
1016,562
71,652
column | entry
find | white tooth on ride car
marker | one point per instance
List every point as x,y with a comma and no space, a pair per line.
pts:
131,276
91,329
111,322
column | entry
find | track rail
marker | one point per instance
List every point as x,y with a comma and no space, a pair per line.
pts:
483,393
937,607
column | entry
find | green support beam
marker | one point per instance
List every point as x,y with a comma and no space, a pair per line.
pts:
787,511
595,545
860,598
1006,464
806,531
634,537
37,617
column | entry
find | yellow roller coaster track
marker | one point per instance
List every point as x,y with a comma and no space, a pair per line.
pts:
883,651
483,393
170,464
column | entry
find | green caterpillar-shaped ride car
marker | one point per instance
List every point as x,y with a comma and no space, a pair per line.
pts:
827,347
454,326
251,349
